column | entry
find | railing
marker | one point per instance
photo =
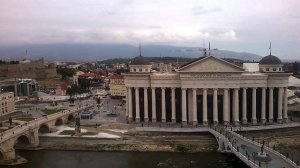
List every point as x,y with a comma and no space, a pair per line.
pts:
247,161
19,129
289,161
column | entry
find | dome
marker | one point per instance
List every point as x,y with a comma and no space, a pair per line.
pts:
140,60
270,60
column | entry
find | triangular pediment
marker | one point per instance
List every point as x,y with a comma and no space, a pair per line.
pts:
210,64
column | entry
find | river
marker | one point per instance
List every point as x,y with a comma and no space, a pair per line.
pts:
88,159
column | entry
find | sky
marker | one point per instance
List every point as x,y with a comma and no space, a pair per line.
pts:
237,25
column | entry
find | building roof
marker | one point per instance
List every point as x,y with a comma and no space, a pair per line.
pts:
293,81
270,60
89,74
188,63
229,65
140,60
116,76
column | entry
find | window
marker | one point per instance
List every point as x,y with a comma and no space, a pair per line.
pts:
267,69
141,70
146,69
274,69
134,70
279,69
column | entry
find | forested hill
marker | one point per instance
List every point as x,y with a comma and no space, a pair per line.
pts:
150,59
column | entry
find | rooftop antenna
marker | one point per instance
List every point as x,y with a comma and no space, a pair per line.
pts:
209,49
270,48
205,54
140,50
204,49
26,54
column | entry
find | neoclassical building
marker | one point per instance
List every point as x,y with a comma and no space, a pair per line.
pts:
207,90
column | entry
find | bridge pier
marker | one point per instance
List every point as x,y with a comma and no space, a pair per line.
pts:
9,154
34,136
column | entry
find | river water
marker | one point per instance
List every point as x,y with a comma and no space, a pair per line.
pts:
87,159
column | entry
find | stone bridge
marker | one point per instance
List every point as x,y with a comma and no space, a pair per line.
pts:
246,150
27,135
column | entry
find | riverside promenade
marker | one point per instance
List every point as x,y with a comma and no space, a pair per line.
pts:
246,149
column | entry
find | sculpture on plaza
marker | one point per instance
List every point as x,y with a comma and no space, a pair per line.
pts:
77,126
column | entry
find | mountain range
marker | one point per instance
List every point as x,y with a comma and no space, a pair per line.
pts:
98,52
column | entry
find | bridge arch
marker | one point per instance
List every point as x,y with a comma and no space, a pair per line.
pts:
58,122
22,140
44,128
71,118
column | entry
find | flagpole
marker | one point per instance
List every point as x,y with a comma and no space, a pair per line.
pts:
270,48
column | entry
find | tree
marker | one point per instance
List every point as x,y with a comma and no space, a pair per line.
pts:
65,72
72,91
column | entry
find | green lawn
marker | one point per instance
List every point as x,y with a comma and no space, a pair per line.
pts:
24,107
51,111
24,119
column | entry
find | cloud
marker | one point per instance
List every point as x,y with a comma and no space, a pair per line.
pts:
200,10
130,21
227,36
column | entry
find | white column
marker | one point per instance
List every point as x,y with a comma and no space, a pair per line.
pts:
279,119
183,106
130,104
146,118
271,105
137,105
215,106
195,120
236,107
263,105
127,103
254,120
229,108
204,100
28,92
153,105
244,116
163,104
16,89
173,105
225,107
285,99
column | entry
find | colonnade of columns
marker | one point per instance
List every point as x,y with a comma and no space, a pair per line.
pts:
281,105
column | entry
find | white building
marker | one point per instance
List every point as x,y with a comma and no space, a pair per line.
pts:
162,67
116,85
207,90
7,103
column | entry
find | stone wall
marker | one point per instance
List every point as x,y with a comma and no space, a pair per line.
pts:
34,70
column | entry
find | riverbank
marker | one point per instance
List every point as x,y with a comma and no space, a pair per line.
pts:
139,142
282,139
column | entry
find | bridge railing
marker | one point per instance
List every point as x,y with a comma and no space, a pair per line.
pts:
241,156
286,159
60,114
19,129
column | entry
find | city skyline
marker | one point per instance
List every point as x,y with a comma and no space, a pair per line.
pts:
231,25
